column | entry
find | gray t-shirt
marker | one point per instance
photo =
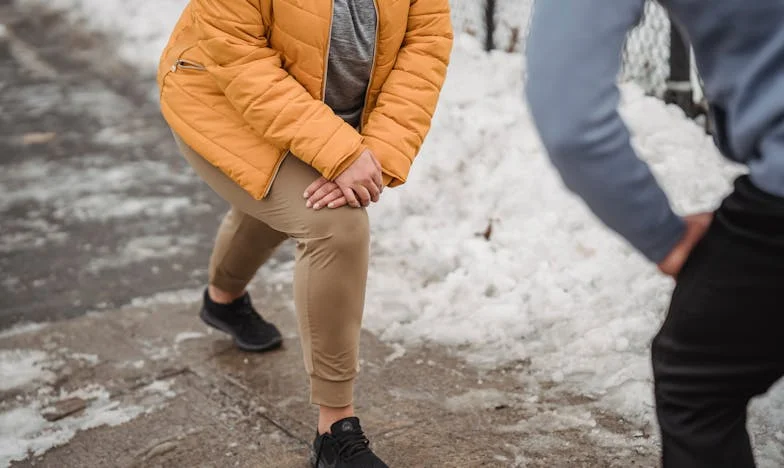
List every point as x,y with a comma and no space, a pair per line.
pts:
350,62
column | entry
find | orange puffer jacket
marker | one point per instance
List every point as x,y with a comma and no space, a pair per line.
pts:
242,83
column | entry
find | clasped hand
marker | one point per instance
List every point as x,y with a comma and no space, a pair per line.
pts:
359,185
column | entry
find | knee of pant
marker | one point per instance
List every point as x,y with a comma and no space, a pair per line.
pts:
344,229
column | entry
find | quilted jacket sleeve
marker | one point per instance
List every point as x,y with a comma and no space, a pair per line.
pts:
233,35
398,125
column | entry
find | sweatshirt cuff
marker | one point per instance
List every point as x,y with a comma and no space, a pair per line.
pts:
664,240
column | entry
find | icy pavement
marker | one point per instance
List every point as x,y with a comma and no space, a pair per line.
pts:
97,206
149,385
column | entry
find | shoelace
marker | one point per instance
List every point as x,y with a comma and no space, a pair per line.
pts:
352,444
247,309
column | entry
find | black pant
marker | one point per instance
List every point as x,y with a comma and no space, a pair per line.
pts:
723,340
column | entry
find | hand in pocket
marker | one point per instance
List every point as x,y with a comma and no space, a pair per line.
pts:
696,227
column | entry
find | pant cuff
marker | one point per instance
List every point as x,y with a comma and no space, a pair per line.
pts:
331,394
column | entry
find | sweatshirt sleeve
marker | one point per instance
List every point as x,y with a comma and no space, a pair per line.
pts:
573,59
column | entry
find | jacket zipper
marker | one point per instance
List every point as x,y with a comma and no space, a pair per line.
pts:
326,54
275,173
372,70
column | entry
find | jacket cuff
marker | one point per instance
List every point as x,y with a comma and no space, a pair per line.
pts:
347,162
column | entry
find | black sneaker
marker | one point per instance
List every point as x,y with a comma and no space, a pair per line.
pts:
345,447
240,320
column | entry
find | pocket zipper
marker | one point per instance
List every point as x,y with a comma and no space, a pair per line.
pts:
187,65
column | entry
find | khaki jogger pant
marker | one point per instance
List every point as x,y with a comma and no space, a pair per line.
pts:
329,276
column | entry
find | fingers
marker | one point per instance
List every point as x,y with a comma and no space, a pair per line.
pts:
322,192
375,192
378,180
363,193
338,203
335,194
703,220
362,182
314,186
351,197
378,176
696,228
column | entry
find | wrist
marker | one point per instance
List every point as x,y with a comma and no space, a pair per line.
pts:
351,159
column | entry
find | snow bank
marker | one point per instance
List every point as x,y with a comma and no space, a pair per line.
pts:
485,250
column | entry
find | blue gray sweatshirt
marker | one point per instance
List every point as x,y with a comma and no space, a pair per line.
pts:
574,56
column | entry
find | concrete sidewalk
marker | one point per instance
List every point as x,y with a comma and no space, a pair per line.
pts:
183,396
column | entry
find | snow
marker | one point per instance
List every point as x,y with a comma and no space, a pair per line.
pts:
182,296
551,285
476,399
483,250
22,328
19,367
161,387
36,233
96,189
140,27
185,336
23,430
144,248
398,351
91,359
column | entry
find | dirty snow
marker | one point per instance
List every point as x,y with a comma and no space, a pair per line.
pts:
398,351
19,367
184,336
24,430
141,27
22,328
95,189
32,233
91,359
144,248
475,399
161,387
182,296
